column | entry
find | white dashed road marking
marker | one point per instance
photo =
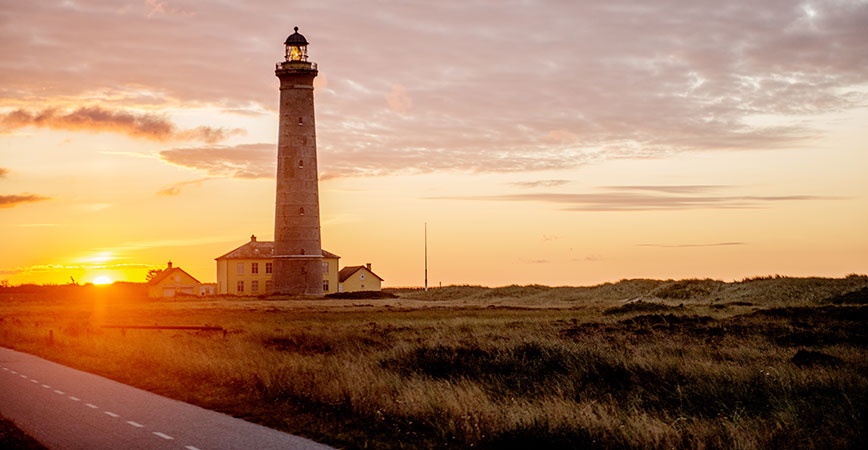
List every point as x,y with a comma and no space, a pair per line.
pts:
91,405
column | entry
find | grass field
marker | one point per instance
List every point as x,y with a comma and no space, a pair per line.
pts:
766,362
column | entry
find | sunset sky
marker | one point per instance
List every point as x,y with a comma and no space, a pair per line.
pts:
551,142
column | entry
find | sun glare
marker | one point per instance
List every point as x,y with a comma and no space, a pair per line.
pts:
102,280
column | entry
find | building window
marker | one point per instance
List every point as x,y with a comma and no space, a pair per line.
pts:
254,267
302,252
301,164
254,286
325,285
239,287
269,286
267,267
361,276
239,268
177,278
325,267
300,211
362,286
300,122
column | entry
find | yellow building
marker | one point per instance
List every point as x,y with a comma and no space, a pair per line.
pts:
247,270
173,281
358,278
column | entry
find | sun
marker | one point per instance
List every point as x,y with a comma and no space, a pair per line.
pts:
102,280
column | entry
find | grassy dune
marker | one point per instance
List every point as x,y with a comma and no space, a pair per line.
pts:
766,362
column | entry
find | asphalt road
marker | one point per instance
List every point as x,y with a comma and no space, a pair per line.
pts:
64,408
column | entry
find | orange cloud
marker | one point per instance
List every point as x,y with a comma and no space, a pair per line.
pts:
10,201
240,161
95,118
175,189
398,99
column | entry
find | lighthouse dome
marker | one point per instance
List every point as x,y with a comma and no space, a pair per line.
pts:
296,39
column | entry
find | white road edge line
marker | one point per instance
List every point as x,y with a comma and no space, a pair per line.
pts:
109,413
46,386
190,447
135,424
23,376
164,436
75,399
34,381
90,405
60,392
13,371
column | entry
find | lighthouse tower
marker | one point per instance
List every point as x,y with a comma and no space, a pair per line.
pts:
297,245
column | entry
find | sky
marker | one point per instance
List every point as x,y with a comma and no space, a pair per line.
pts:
550,142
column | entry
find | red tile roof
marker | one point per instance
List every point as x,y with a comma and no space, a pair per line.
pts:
166,272
348,271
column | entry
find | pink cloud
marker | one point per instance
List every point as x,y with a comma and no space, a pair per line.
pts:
97,119
11,201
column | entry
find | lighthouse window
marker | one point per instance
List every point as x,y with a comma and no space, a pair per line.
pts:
300,211
300,122
302,252
301,164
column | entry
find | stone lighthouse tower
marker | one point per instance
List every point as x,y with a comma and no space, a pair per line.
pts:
297,245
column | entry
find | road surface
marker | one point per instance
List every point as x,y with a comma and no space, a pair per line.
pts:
64,408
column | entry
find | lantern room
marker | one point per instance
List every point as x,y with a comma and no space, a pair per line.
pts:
296,47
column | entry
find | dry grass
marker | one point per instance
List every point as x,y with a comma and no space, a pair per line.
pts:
695,364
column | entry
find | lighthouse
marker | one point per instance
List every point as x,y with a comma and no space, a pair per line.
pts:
297,243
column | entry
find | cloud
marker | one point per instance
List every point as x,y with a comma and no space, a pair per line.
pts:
43,268
98,119
240,161
539,183
678,189
175,189
506,88
3,172
11,201
398,100
716,244
680,199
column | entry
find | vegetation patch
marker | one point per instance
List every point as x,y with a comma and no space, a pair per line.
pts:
641,307
12,437
804,358
324,343
859,297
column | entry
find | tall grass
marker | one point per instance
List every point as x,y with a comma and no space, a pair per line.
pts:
601,374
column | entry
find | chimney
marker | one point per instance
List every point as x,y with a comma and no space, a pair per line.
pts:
252,238
368,266
169,266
